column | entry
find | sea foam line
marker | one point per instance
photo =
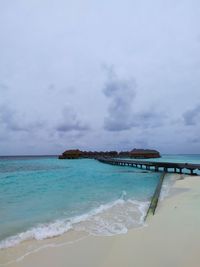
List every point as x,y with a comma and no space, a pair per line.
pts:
100,225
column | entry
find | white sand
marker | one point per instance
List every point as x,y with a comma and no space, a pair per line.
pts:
171,239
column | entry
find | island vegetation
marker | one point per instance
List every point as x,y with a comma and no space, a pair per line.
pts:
135,153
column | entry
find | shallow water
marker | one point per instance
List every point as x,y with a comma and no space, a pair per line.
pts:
43,197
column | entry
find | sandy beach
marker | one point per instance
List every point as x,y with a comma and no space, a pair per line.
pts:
170,238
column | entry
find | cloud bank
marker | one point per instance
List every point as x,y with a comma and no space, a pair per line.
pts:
192,116
54,94
71,122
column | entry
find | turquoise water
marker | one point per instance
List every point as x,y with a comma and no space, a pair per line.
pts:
43,196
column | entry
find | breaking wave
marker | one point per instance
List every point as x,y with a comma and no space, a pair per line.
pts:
110,219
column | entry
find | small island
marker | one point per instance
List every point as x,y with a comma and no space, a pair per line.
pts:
135,153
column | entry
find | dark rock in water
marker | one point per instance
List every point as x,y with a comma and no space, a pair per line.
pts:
135,153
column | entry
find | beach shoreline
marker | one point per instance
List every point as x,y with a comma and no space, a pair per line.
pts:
171,238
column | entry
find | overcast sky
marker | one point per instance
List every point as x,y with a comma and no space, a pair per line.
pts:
99,75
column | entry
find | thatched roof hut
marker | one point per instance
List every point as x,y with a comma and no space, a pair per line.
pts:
144,153
135,153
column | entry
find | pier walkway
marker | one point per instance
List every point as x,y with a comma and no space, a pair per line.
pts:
153,166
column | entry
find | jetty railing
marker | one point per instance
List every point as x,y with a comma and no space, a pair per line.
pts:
153,166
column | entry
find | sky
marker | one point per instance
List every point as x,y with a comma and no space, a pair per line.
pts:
99,75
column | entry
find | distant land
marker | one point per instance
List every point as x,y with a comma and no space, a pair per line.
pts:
135,153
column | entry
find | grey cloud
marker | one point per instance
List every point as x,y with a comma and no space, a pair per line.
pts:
75,126
122,94
12,121
7,118
192,117
150,118
195,140
71,122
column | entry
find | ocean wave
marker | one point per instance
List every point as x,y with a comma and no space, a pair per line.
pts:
109,219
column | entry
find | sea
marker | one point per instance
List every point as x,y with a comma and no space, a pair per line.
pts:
43,197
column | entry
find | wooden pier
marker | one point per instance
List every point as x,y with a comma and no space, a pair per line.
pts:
154,166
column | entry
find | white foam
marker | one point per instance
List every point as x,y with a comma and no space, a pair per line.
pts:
168,182
114,218
110,219
41,232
